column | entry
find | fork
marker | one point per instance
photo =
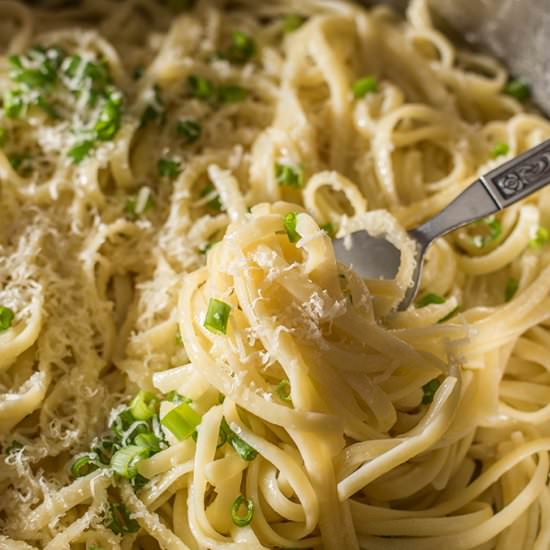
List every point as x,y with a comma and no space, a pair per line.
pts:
376,258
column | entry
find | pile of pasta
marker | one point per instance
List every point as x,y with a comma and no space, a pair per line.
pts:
183,362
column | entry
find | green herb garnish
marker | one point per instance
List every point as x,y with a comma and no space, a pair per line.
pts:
239,518
429,298
182,421
241,49
189,129
499,150
518,88
167,168
243,449
80,151
217,316
118,520
231,93
6,318
512,285
429,390
364,86
289,175
289,223
542,236
329,229
201,87
283,390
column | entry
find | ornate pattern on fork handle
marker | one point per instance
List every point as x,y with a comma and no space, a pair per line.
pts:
521,176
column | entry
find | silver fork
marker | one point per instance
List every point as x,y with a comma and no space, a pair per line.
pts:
376,258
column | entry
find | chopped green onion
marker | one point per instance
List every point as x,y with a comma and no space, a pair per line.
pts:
13,103
119,521
240,519
174,397
109,119
148,441
214,203
329,229
201,87
493,230
217,316
189,129
80,151
6,318
364,86
144,405
512,285
179,340
153,110
84,464
288,175
429,298
499,150
13,447
17,160
3,136
46,106
542,236
429,390
243,449
289,222
283,390
168,168
231,93
182,421
139,204
242,48
292,22
518,88
449,315
124,461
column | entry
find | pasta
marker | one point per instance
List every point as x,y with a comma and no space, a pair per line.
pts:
183,363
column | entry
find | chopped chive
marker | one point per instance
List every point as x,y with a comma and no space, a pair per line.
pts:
429,390
13,447
492,230
241,447
214,203
168,168
288,175
289,222
80,151
231,93
239,518
329,229
182,421
283,390
512,285
217,316
449,315
500,149
148,441
542,236
13,103
518,88
6,318
292,22
189,129
118,520
124,462
174,397
144,405
242,48
139,204
429,298
84,464
109,119
364,86
201,87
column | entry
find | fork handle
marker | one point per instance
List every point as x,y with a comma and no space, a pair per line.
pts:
499,188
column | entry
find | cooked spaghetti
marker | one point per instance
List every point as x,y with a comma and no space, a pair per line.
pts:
183,363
